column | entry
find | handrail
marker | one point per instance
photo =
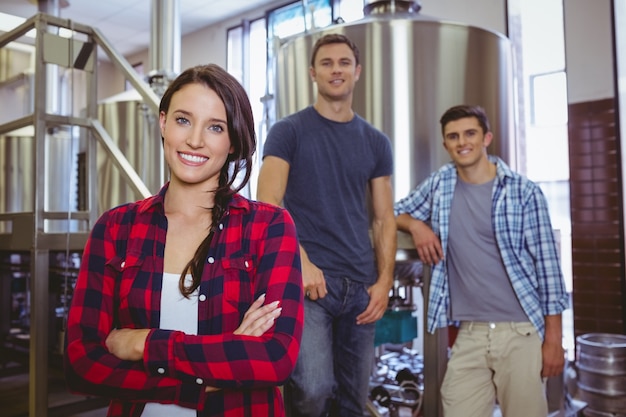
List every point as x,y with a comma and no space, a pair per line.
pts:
19,31
17,124
121,64
150,98
26,231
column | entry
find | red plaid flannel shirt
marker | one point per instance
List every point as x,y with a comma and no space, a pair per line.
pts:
254,251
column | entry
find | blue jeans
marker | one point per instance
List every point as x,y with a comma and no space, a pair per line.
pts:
332,374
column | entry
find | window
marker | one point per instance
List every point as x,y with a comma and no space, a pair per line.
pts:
536,29
295,18
349,10
235,52
247,61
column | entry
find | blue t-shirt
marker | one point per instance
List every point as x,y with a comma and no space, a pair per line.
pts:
331,164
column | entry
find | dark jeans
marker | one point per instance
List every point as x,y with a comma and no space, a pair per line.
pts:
336,355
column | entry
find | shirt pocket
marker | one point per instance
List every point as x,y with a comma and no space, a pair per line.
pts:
525,329
127,270
238,280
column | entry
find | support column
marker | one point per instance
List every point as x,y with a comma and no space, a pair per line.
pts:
165,40
619,48
435,358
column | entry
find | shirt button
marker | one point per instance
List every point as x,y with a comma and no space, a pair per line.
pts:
202,297
123,264
211,260
492,325
199,381
246,263
161,371
221,226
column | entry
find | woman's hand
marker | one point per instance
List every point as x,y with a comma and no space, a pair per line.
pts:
259,318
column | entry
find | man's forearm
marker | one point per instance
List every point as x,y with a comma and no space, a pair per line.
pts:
554,329
385,245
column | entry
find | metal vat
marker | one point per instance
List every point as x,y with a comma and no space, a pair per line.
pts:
135,130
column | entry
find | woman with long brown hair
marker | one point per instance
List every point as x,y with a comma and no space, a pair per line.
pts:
190,301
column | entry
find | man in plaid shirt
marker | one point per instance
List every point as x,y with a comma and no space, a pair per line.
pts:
486,230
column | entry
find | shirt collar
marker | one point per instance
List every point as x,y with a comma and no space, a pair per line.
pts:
502,169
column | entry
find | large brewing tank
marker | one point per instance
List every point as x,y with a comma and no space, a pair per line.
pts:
135,131
414,68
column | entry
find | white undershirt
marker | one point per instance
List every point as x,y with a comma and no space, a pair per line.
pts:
177,313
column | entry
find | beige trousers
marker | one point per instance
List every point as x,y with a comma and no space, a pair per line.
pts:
494,361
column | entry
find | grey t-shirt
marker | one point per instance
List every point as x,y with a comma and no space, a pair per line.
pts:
330,166
480,289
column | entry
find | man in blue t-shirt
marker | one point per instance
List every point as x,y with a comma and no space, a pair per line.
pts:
321,162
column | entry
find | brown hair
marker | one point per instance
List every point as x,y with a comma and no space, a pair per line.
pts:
240,122
462,111
334,38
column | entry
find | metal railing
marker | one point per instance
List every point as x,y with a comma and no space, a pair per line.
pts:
26,230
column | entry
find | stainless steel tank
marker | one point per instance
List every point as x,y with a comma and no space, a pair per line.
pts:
16,148
135,130
414,68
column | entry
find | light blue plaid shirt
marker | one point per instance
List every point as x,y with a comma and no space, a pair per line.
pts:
523,233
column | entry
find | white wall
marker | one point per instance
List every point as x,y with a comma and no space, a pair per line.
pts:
588,50
487,14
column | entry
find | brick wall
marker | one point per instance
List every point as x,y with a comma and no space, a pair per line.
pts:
599,287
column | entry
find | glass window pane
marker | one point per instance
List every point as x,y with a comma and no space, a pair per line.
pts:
257,66
549,95
542,34
350,10
295,18
234,52
548,154
536,29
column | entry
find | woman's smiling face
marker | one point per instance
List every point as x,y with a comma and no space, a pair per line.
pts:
196,140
